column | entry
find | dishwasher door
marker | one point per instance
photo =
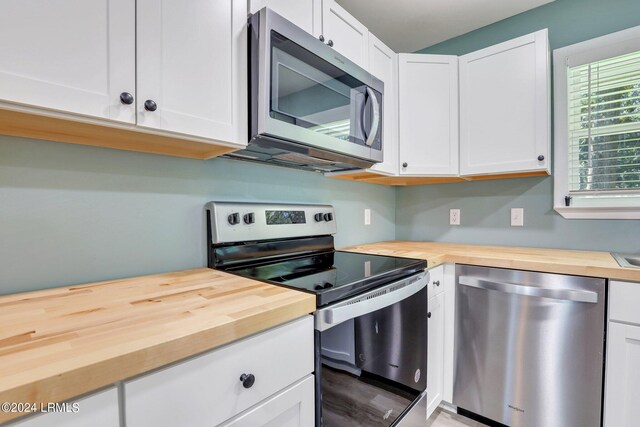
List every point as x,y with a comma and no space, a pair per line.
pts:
529,347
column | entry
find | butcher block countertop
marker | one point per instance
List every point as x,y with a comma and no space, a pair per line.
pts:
579,263
58,343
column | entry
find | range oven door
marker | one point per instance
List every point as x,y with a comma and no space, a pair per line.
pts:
304,91
371,357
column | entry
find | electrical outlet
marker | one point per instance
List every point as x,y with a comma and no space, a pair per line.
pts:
454,216
367,216
517,217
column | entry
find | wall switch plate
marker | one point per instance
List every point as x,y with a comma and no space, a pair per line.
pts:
454,216
517,217
367,216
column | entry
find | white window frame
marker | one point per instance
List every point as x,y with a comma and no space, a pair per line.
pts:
608,46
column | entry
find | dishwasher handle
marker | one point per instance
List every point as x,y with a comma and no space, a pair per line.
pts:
530,291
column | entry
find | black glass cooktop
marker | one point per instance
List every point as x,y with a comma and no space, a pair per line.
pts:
335,275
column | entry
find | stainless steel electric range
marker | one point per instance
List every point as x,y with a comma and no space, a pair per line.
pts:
371,317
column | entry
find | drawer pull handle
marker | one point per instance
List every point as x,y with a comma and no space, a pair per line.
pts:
247,380
436,282
429,315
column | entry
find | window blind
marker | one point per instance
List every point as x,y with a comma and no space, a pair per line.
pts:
604,126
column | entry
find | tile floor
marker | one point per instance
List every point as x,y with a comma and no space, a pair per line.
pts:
442,418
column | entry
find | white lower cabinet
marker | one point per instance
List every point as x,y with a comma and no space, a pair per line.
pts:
207,390
435,353
293,407
622,373
622,390
97,410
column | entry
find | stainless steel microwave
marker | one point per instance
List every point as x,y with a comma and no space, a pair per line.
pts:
310,107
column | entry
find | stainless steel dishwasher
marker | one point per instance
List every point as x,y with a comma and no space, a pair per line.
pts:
529,347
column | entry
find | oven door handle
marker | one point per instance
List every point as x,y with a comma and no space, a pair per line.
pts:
375,106
370,301
574,295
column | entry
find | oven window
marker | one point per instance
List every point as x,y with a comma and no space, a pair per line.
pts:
311,93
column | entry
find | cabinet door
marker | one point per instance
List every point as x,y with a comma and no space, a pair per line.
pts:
449,283
384,65
435,353
622,388
505,107
206,390
292,407
97,410
192,65
428,109
74,56
436,281
306,14
347,35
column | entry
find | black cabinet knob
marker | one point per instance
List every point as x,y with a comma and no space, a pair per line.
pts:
330,43
405,164
429,315
150,105
126,98
321,38
436,282
247,380
540,158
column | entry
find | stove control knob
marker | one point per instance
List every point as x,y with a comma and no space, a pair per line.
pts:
234,218
328,217
318,217
327,285
249,218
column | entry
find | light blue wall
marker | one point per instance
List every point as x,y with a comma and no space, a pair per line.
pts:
422,212
73,214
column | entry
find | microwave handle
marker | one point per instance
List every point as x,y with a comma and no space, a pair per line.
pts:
376,117
368,303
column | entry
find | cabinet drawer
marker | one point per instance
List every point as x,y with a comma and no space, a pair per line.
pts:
206,390
436,281
624,300
294,406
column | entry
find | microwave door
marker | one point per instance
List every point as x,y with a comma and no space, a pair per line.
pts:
313,102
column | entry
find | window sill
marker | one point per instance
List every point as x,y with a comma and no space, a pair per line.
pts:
575,212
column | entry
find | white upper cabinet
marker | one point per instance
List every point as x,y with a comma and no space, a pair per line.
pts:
383,63
192,66
345,33
306,14
428,114
73,56
504,107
